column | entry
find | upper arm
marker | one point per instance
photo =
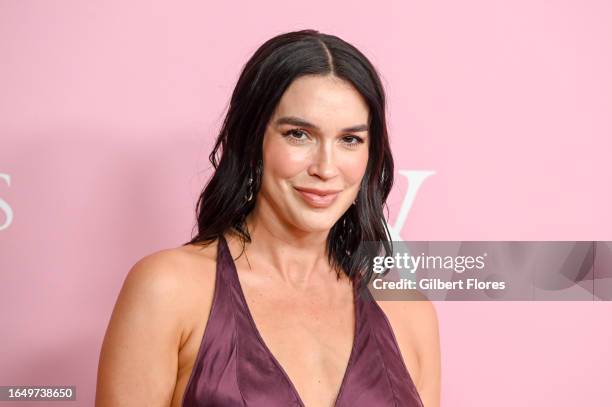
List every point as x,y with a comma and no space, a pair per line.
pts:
426,336
415,324
138,359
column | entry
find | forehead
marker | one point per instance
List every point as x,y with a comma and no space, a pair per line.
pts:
323,99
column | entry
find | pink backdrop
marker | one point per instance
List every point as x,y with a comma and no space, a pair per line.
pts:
108,111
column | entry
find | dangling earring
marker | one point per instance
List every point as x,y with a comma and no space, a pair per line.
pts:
249,195
258,170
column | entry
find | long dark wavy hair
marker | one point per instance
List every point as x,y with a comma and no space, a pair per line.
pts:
223,204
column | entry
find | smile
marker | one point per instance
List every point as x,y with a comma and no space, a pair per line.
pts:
317,198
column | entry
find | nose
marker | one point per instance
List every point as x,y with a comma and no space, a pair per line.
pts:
322,164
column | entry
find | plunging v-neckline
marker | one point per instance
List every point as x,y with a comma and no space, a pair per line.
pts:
267,349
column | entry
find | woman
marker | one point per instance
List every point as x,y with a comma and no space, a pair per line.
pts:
304,171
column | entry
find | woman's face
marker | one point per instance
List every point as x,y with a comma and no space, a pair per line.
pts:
315,152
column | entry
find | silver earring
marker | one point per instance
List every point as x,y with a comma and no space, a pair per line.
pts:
249,195
258,171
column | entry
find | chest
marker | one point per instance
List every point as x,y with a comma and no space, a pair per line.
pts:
311,338
309,335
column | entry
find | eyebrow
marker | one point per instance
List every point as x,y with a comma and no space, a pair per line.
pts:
296,121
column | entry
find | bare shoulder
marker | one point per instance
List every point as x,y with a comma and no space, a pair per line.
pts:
174,267
152,319
415,324
416,315
180,278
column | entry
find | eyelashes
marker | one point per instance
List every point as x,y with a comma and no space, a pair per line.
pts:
295,135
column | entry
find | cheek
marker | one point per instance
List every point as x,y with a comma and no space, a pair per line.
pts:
284,161
355,165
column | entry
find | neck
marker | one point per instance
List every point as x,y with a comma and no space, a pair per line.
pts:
295,257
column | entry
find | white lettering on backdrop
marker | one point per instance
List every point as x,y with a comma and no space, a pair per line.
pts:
4,206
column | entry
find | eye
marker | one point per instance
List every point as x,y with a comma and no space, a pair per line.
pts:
295,135
353,140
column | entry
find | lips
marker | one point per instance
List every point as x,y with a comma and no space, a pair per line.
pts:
318,198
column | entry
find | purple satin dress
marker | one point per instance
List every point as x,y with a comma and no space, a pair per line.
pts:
234,367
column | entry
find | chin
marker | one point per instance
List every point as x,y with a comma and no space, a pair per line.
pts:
316,223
